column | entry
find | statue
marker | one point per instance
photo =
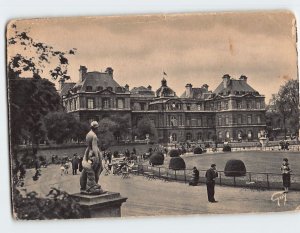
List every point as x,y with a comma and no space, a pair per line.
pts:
171,139
92,164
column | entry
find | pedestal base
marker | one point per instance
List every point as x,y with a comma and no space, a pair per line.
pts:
99,206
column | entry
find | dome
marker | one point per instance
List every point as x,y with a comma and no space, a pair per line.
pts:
164,90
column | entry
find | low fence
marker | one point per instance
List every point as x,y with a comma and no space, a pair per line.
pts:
252,180
292,148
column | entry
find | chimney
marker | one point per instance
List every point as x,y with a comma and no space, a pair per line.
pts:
127,87
226,79
188,90
110,71
82,73
61,84
149,88
243,78
205,87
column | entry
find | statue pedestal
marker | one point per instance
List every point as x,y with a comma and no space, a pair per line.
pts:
99,206
263,141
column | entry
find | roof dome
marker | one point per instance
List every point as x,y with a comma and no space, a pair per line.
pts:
164,90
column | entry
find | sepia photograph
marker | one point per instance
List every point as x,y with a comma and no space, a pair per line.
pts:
153,115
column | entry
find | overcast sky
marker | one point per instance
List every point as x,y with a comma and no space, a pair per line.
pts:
190,48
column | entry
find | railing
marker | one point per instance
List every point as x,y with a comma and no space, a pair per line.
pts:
254,180
292,148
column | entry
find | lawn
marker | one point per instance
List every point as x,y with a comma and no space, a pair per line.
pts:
255,161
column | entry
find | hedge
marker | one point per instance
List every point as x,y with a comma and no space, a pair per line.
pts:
157,158
235,167
177,163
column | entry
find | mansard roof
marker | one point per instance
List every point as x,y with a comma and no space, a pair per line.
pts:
142,91
197,93
66,88
235,87
96,79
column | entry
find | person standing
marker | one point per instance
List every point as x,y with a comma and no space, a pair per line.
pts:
74,164
92,163
80,168
211,175
286,175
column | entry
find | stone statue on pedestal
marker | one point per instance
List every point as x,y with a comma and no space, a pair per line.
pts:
92,164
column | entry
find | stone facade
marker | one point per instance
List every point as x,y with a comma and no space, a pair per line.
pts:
232,112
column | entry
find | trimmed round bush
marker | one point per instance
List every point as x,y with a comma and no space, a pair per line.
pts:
174,153
198,151
177,163
227,148
157,158
235,167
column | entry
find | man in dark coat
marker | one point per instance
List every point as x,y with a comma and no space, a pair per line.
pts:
75,163
211,175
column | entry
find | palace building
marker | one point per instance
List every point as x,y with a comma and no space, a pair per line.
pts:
234,111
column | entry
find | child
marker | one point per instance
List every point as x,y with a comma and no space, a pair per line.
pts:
62,169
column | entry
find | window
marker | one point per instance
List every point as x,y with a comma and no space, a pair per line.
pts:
199,136
249,119
239,104
173,121
220,121
90,103
226,120
199,121
99,88
174,137
249,104
188,121
258,120
120,103
226,105
143,106
89,88
109,88
220,135
119,89
239,119
188,107
199,107
258,105
105,103
188,137
75,104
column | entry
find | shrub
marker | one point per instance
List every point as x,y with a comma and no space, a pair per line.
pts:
174,153
235,167
177,163
198,150
227,148
157,158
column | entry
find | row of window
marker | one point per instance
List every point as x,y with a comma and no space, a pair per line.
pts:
189,136
100,88
240,119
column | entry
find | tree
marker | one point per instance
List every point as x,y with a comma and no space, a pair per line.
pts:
122,128
286,104
106,131
60,126
30,100
146,126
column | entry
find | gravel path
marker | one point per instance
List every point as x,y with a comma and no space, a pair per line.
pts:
156,197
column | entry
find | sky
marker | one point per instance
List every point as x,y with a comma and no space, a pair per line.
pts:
191,48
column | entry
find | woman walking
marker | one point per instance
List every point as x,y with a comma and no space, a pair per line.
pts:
286,175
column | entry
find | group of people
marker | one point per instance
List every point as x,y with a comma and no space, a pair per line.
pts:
76,164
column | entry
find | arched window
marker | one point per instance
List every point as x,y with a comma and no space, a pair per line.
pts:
109,88
99,88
